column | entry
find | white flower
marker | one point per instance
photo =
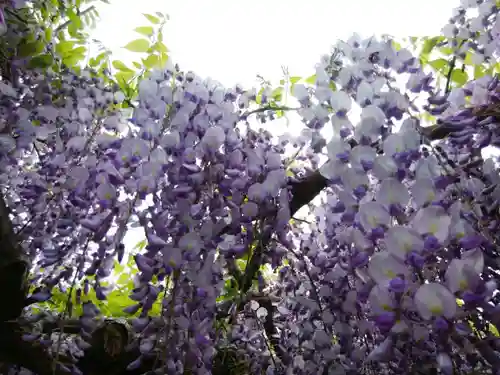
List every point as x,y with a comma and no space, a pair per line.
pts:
432,220
340,101
384,167
464,273
214,137
392,191
372,215
401,240
384,267
434,299
423,191
364,93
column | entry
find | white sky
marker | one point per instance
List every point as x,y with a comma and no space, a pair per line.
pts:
233,40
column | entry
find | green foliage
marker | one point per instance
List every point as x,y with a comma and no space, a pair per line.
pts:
117,64
435,53
138,45
41,61
115,302
145,30
153,19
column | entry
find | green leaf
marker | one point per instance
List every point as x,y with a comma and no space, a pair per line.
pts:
154,20
95,61
429,44
118,267
30,49
123,79
101,56
311,80
138,45
141,245
117,64
258,98
41,61
163,59
145,30
494,330
151,61
48,34
160,47
396,45
446,50
438,64
64,46
468,59
77,51
124,278
72,60
459,77
241,264
277,94
136,64
478,71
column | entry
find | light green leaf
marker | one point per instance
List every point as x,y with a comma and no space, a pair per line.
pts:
78,51
48,34
396,45
154,20
459,77
494,330
163,59
468,59
138,45
117,64
140,246
64,46
95,61
136,64
123,79
277,94
311,80
438,64
478,71
118,267
124,278
242,264
160,47
145,30
446,50
429,44
102,56
151,61
73,60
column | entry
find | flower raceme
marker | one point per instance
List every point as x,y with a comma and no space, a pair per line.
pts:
372,283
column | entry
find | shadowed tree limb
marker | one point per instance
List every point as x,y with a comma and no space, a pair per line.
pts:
30,355
14,267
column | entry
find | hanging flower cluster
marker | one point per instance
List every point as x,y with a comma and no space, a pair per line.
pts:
397,273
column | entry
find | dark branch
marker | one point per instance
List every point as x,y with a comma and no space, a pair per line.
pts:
14,267
30,355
